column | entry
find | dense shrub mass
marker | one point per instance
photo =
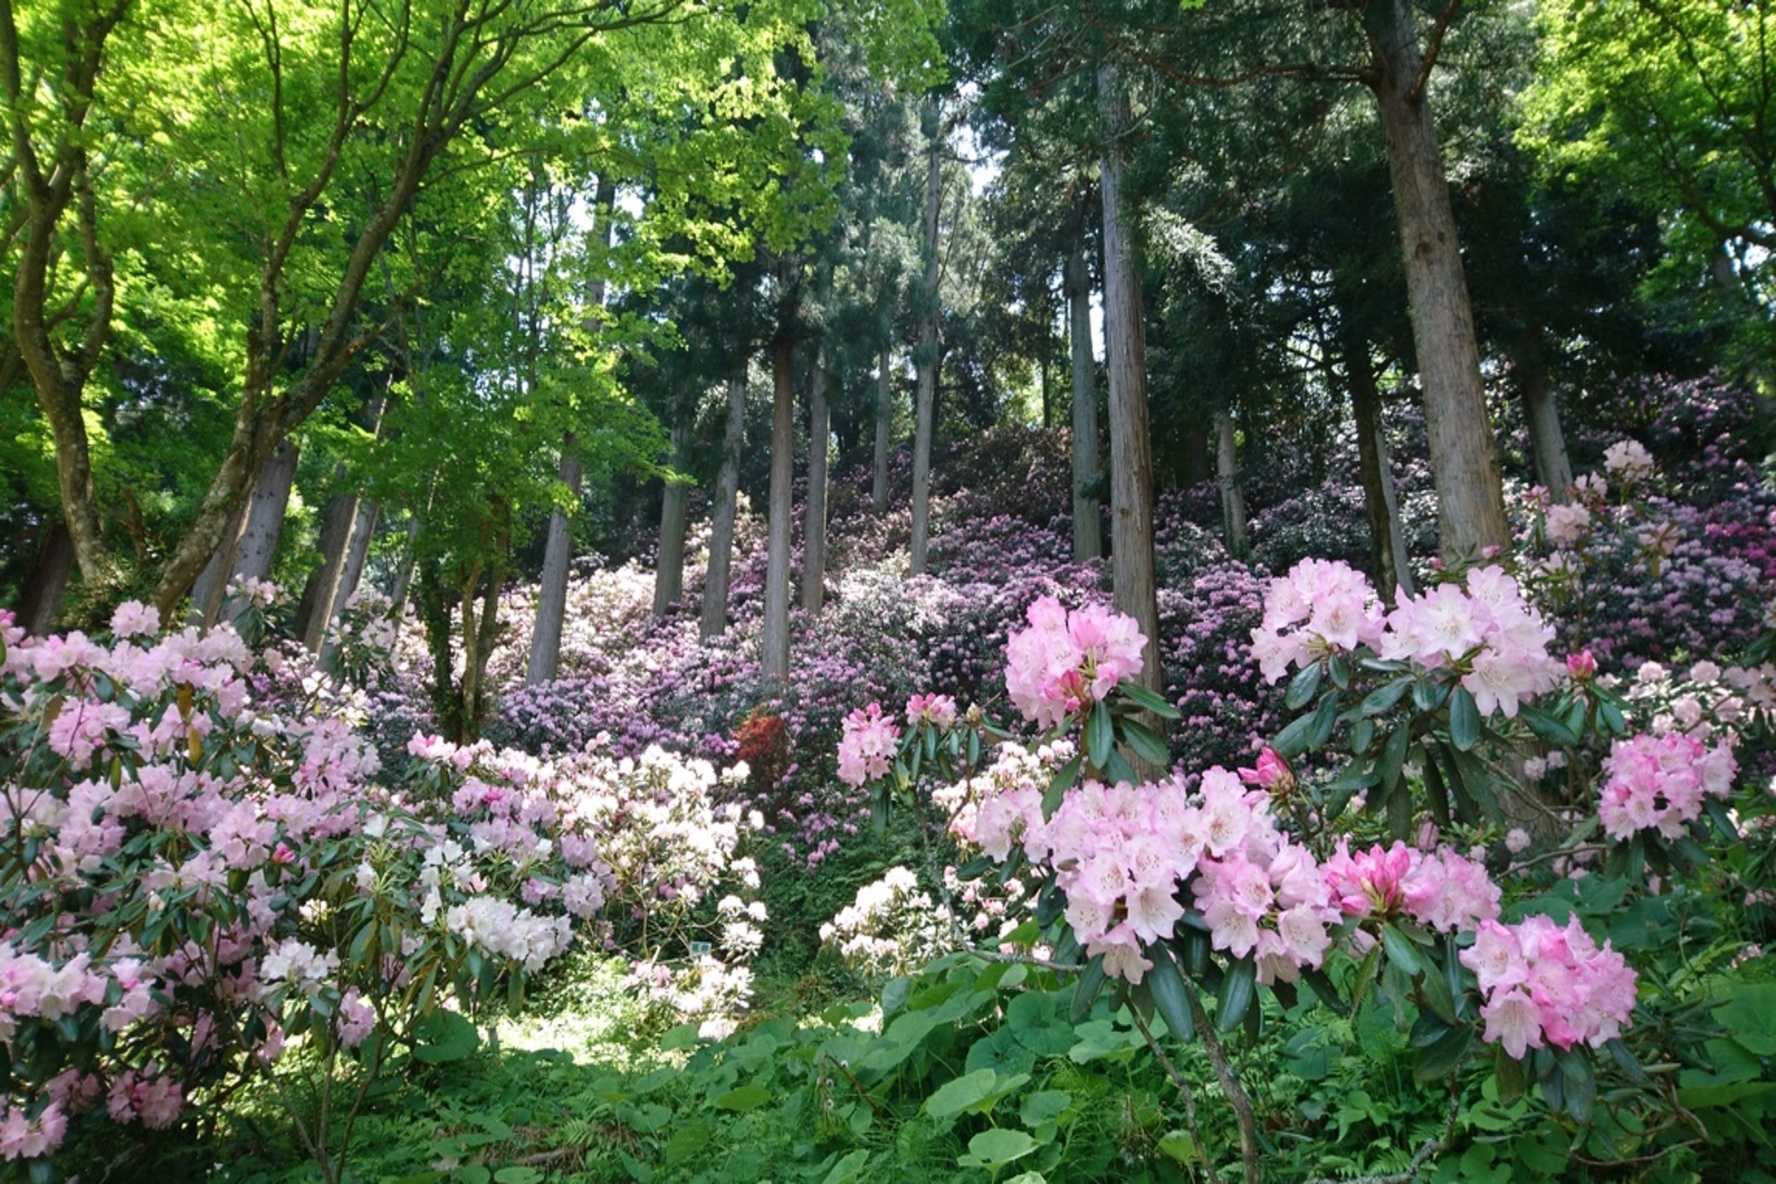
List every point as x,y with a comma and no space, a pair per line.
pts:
1472,884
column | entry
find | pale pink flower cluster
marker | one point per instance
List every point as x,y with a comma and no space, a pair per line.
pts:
1547,984
867,745
24,1137
1122,853
998,806
1439,889
135,619
1658,782
1064,662
1327,607
1567,523
1484,627
1485,624
1627,461
937,710
151,1098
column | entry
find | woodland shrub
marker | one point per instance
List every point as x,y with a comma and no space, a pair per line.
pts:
195,875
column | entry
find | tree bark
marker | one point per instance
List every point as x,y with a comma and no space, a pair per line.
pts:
1125,351
721,531
1233,502
207,590
774,656
1541,414
1464,459
1088,540
884,429
338,521
551,614
42,596
362,533
926,357
1386,540
814,519
669,568
265,522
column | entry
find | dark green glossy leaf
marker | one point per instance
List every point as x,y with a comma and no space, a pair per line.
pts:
1291,742
1400,951
1057,789
1148,700
1303,687
1100,735
1439,1059
1384,697
1464,719
1323,719
1512,1078
1238,988
1171,994
1146,743
1086,992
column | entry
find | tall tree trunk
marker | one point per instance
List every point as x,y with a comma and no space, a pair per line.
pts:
551,614
1540,412
814,522
721,531
315,610
257,548
1125,352
669,569
884,428
363,532
1088,540
926,399
1233,502
212,583
404,572
1386,540
1464,459
42,596
774,658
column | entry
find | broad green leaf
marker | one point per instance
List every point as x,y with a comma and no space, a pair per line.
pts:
1238,989
1464,719
1100,735
1148,700
953,1097
1171,994
996,1147
744,1098
1303,687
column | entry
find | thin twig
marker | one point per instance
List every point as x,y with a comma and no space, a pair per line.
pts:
1202,1148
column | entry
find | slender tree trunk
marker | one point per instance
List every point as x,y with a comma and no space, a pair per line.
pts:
359,552
669,569
727,495
551,614
212,583
42,596
884,428
404,573
1233,502
257,548
774,658
926,399
1125,349
338,521
1386,540
1464,459
1088,540
814,523
1541,413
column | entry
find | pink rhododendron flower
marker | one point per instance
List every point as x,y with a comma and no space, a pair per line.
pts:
1548,984
1658,782
867,746
1064,662
937,710
1325,606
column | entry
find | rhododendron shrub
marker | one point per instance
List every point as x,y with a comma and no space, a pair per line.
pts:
192,877
1220,884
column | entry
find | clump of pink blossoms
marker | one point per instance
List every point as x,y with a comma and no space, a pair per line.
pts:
1486,624
1660,781
1064,662
867,745
934,709
1439,889
1545,984
1327,607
